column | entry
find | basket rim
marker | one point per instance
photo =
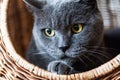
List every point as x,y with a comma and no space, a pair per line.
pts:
97,72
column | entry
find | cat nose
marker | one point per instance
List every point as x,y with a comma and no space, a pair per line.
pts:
64,48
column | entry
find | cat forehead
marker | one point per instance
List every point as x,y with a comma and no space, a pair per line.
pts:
54,2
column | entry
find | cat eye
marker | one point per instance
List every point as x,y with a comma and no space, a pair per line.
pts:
77,28
49,32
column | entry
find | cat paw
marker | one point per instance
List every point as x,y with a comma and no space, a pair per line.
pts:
59,67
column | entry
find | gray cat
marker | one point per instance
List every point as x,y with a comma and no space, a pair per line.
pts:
67,35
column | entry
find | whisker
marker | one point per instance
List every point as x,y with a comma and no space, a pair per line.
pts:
88,59
101,60
37,53
101,54
34,52
93,54
98,47
98,58
82,61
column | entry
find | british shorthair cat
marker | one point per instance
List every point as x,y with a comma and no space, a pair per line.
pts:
67,36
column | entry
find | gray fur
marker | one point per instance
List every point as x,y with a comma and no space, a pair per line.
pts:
49,53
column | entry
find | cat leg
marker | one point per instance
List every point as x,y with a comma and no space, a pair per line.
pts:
60,67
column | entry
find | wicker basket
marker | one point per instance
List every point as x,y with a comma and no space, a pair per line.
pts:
15,32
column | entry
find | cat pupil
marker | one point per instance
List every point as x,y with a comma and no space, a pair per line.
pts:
76,27
49,31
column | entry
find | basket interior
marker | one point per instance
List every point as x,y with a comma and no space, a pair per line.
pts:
20,23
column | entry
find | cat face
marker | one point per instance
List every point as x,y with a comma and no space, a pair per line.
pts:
66,28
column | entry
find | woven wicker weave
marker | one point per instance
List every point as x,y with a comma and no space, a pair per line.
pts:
15,32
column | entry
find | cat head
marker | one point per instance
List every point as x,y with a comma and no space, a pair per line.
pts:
64,27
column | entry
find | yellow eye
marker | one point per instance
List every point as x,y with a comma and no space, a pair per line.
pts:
49,32
77,28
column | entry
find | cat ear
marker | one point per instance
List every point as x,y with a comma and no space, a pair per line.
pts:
35,4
